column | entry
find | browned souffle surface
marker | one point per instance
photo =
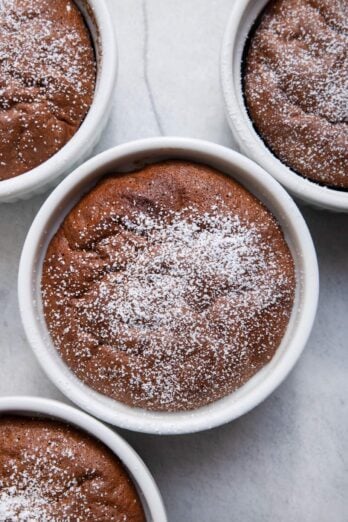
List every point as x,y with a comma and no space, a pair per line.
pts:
47,80
296,86
52,472
169,287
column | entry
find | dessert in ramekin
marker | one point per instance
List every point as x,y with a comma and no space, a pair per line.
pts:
284,76
58,66
177,296
57,463
169,287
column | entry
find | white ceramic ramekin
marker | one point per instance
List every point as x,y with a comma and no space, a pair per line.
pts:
243,16
80,146
143,480
129,157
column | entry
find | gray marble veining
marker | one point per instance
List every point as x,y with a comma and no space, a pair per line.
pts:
286,460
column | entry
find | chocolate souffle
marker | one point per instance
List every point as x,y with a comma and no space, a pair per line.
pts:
52,472
296,86
47,80
169,287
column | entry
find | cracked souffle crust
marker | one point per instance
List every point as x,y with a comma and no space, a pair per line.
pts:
47,80
52,472
296,86
169,287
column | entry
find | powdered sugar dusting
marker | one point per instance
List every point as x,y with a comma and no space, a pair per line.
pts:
180,306
47,77
30,55
298,53
26,506
50,473
35,485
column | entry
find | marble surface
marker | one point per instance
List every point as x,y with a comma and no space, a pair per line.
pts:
287,459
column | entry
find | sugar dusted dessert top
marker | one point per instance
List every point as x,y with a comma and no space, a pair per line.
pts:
52,472
169,287
296,86
47,80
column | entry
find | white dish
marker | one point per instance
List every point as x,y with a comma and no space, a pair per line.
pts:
81,145
129,157
144,482
242,18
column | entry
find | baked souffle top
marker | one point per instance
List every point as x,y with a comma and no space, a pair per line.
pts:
296,86
47,80
169,287
52,472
